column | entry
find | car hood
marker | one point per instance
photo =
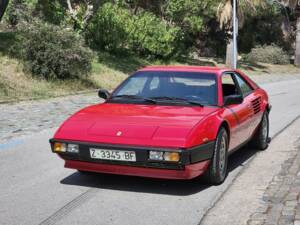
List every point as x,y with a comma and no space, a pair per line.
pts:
132,124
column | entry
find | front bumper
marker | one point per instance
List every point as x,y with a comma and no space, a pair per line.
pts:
193,161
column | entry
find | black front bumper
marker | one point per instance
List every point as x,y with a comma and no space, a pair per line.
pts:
187,156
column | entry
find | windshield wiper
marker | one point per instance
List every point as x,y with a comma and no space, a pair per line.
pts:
177,99
135,97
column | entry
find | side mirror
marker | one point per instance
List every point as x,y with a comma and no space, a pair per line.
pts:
102,93
233,99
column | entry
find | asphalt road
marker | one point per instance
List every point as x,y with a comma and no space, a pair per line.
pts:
36,189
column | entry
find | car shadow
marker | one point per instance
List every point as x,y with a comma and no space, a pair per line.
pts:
149,185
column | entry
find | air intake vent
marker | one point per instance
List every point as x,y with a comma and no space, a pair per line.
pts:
256,104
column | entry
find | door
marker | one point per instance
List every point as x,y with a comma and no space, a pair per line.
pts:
253,102
242,113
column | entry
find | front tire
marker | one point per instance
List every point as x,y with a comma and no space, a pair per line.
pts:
217,171
260,139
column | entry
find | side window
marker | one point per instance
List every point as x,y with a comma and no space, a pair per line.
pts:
228,85
244,86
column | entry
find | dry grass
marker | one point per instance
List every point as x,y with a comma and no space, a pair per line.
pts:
16,85
106,77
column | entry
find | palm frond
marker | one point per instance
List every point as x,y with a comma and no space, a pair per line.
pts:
292,4
224,13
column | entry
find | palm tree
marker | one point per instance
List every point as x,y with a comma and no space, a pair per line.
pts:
294,6
3,6
224,14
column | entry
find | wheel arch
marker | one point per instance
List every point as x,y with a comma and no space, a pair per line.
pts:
226,126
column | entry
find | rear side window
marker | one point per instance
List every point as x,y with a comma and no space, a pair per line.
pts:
229,85
244,86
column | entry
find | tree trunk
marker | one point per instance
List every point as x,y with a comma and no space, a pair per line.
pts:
3,6
297,52
229,54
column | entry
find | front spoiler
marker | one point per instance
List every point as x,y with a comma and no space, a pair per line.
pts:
190,171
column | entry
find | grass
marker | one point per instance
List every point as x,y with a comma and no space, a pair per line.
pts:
107,72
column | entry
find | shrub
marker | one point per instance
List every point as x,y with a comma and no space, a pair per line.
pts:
52,11
107,29
52,52
18,11
114,29
148,35
268,54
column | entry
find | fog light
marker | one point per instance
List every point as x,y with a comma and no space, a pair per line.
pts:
59,147
171,156
72,148
155,155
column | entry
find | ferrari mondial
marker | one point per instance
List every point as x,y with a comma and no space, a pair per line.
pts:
172,122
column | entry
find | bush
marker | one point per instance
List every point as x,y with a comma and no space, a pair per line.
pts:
51,11
18,11
114,29
107,30
52,52
268,54
148,35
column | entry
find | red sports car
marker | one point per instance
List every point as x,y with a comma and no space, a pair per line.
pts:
174,122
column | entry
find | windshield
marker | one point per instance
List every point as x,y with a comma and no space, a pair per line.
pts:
168,87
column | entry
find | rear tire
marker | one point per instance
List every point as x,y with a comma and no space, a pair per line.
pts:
260,139
217,171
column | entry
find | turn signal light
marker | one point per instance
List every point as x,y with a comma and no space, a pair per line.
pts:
59,147
171,156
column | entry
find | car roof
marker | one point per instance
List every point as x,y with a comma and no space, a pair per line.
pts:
207,69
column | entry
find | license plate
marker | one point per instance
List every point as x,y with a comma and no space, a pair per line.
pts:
112,155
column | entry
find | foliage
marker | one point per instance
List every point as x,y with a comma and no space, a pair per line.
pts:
268,54
263,29
150,36
162,29
19,11
51,52
107,29
190,15
52,11
114,29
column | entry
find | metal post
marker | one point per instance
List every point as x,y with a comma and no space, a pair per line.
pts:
235,30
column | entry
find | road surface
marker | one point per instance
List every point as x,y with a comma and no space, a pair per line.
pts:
36,189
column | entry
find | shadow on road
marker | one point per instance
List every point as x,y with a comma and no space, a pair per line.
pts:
148,185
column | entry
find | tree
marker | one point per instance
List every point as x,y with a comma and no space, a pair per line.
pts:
191,16
224,14
3,6
77,13
294,6
82,11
